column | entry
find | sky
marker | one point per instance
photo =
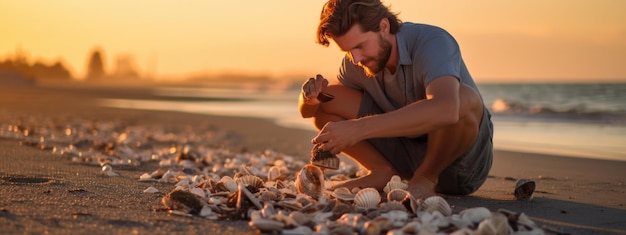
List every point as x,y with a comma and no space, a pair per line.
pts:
501,41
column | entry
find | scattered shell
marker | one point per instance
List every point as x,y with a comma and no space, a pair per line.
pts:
395,183
343,194
151,190
397,195
310,181
217,183
437,203
524,189
367,198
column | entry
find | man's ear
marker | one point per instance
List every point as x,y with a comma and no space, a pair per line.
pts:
384,25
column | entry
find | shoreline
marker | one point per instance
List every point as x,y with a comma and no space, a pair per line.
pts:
573,195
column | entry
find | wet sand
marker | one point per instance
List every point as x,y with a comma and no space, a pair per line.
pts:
42,192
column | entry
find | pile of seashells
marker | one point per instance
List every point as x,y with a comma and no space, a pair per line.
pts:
277,193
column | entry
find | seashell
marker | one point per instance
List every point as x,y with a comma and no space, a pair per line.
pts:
475,215
397,195
310,181
371,228
435,219
300,218
367,198
497,224
355,220
437,203
273,173
524,189
182,200
227,183
284,218
151,190
205,194
300,230
251,180
395,183
268,210
324,159
396,218
393,206
343,194
266,225
340,209
518,221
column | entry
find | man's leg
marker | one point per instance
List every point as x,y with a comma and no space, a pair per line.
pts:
446,145
346,106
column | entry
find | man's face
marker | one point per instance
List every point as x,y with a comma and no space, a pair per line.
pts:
368,50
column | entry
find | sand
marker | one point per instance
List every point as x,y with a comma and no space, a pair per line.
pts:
42,192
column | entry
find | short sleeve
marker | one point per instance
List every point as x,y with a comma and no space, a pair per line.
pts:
440,56
348,73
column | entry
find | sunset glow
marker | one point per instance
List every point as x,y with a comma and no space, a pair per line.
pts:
524,41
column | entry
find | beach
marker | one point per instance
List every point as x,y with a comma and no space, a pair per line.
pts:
43,192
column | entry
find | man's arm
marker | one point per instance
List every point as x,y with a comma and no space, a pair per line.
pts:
439,109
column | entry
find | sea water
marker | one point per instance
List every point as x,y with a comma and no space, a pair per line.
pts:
575,120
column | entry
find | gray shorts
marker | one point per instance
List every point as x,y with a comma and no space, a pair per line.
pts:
463,176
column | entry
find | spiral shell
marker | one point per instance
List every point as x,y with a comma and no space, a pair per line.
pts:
367,198
437,203
310,181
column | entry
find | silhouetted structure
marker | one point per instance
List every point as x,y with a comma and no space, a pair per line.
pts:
18,67
95,67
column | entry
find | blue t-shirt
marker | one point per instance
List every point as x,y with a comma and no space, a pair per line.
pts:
425,53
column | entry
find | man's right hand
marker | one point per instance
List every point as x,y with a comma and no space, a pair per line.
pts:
312,88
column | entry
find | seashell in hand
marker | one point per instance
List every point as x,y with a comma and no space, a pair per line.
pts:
310,181
395,183
437,203
367,198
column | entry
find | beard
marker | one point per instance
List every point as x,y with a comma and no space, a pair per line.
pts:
381,59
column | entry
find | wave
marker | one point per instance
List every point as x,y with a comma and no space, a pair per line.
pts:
503,107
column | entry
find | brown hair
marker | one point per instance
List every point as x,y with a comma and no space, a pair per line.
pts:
338,16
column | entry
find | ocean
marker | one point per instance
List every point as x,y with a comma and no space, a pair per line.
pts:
574,120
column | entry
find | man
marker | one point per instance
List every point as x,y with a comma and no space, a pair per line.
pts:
405,103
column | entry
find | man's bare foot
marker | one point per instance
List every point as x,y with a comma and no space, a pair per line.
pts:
421,187
372,180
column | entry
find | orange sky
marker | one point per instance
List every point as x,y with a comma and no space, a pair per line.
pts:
534,40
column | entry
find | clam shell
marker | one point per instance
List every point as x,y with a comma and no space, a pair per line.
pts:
343,194
367,198
251,180
395,183
437,203
310,181
397,195
475,215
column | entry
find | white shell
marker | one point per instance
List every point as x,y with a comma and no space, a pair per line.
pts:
395,183
475,215
497,224
437,203
343,194
367,198
397,195
151,190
